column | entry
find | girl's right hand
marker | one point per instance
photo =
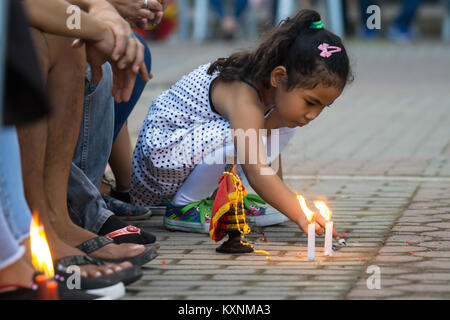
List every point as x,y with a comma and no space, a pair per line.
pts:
320,223
302,222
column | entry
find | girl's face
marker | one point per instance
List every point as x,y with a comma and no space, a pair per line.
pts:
297,107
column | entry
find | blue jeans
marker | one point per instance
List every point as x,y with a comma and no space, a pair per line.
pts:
407,15
238,5
85,204
96,133
123,110
102,120
15,215
98,130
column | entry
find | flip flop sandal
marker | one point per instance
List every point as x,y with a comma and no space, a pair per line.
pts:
126,231
125,276
17,292
94,244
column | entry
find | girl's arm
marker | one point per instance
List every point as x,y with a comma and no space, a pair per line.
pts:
240,105
280,167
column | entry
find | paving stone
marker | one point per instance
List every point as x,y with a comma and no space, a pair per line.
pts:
436,244
399,249
327,273
433,254
440,225
408,238
419,219
438,234
433,264
412,229
426,276
395,259
265,277
359,294
416,297
386,282
424,288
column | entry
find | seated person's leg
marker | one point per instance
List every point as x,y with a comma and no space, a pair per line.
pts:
13,268
16,210
88,210
124,109
47,149
91,155
96,133
121,154
14,215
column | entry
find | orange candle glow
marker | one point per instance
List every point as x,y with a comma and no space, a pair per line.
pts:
52,290
42,261
41,281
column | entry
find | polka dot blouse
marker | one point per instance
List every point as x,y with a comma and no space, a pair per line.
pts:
179,129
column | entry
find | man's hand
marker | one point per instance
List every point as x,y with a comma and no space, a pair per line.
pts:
136,10
97,52
127,56
124,78
106,13
123,83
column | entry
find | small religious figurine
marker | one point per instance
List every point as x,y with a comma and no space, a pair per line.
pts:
228,215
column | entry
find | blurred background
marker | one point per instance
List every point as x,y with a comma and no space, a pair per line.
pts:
206,20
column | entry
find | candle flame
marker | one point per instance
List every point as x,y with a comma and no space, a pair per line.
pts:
40,252
323,209
308,213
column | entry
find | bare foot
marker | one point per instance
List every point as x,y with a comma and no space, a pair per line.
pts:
59,249
74,235
19,273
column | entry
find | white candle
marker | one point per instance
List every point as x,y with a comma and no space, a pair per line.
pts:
311,241
328,238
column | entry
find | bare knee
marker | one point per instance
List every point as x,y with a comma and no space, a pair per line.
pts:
42,51
62,52
53,51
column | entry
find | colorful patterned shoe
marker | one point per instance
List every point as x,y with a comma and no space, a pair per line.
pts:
194,217
260,214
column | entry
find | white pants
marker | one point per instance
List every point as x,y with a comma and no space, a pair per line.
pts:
203,180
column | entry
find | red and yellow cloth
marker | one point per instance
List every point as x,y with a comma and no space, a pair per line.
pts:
231,191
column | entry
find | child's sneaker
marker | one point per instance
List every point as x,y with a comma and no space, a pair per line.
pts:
260,214
194,217
126,211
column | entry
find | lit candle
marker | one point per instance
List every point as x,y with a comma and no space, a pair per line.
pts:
52,290
311,241
42,261
311,227
329,238
41,281
326,213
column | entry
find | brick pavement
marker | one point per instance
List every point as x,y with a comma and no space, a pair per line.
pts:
380,156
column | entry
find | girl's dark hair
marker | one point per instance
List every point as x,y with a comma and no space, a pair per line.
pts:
294,45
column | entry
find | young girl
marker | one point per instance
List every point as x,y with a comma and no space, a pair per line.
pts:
286,83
